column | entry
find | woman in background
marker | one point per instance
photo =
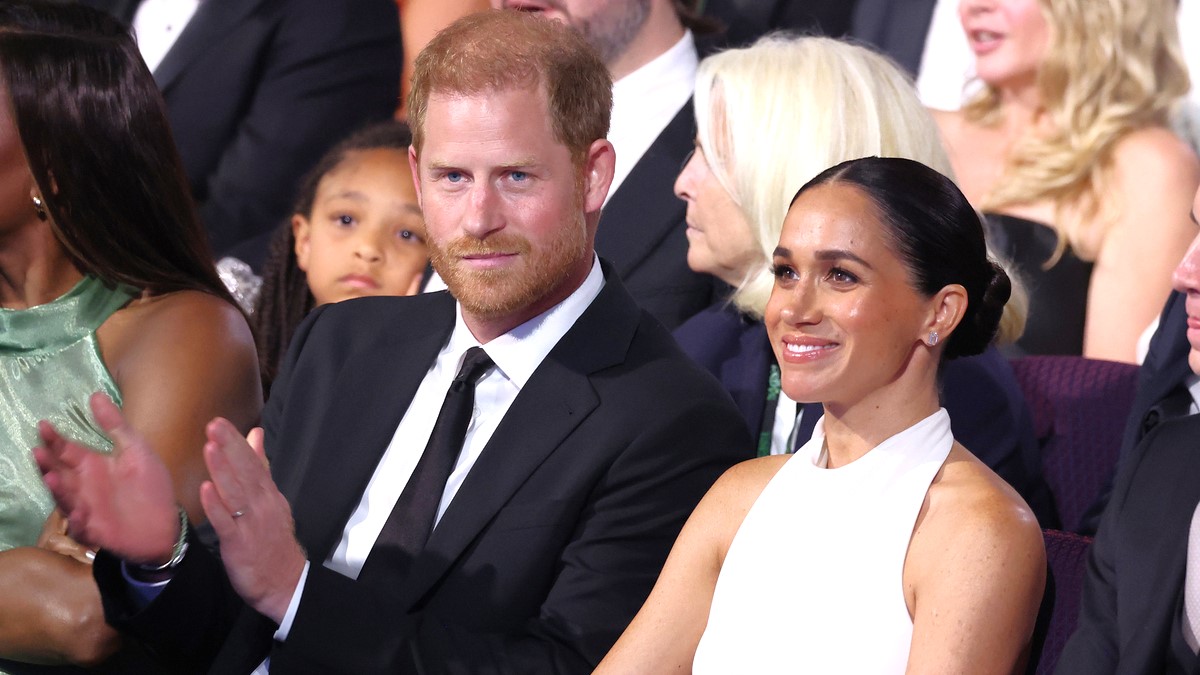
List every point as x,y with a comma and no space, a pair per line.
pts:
1067,147
106,285
769,118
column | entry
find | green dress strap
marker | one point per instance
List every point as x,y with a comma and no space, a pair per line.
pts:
50,365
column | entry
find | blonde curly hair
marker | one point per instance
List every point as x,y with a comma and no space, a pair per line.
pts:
1111,67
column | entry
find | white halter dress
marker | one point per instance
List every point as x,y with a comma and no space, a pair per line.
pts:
812,582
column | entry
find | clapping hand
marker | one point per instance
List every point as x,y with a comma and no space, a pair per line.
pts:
123,501
252,518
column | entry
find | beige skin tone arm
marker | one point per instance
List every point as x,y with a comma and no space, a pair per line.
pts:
974,575
179,360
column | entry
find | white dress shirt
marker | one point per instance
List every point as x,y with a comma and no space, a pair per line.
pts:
646,100
157,25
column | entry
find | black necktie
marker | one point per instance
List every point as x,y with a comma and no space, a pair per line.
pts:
411,520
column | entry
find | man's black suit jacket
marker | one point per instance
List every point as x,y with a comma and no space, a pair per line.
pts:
1136,564
1164,368
551,544
258,90
643,230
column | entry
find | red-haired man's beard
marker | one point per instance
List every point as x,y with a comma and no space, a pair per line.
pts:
499,291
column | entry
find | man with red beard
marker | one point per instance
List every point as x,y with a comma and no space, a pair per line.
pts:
512,517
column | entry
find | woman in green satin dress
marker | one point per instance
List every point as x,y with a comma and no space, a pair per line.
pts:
106,284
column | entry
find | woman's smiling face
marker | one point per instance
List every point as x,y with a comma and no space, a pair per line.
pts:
844,317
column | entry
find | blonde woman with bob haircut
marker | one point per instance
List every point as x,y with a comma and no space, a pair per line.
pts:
1067,147
769,118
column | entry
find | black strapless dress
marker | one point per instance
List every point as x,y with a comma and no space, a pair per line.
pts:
1057,296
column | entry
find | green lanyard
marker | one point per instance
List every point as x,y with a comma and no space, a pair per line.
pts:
768,426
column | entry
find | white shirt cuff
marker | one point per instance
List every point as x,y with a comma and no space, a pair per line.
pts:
289,616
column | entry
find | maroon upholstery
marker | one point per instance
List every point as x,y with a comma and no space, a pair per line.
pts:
1079,408
1066,554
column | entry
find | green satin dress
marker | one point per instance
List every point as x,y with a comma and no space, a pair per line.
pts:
49,365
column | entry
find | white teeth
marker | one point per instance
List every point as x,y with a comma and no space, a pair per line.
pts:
804,349
986,36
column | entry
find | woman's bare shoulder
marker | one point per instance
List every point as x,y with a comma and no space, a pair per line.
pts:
1155,153
181,329
967,490
738,488
196,317
975,571
972,513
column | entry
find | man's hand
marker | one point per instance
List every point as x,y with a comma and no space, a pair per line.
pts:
123,502
252,519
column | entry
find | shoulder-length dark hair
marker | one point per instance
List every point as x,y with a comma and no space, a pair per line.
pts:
95,132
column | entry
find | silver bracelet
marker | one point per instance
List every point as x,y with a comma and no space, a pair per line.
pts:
177,553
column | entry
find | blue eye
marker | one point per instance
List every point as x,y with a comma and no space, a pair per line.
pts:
454,176
519,176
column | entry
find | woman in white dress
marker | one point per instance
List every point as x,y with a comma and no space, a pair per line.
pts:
882,545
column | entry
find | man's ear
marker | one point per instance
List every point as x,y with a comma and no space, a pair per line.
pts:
302,233
598,168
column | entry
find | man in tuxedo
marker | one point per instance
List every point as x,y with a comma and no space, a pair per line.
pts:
258,90
652,58
526,542
1141,603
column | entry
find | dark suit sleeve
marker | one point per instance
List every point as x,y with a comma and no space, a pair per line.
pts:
1093,649
331,67
605,572
186,625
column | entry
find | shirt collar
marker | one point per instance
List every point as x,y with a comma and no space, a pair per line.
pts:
1193,386
677,64
520,351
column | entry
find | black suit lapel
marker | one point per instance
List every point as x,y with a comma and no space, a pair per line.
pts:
213,20
550,406
367,403
642,212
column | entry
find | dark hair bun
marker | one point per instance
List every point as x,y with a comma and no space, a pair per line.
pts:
982,319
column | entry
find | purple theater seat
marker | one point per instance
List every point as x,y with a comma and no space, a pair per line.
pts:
1079,407
1066,556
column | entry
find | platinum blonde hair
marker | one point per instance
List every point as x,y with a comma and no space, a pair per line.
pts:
1111,67
772,116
